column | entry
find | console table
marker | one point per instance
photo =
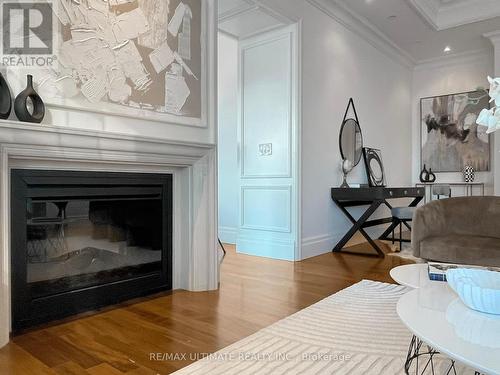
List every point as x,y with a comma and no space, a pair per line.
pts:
373,197
468,186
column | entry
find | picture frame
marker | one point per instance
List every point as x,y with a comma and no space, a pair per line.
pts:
374,166
204,75
450,139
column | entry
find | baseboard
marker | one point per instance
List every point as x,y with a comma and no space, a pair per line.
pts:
323,244
228,234
268,248
318,245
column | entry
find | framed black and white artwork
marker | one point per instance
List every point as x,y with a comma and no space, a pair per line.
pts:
145,59
450,137
374,167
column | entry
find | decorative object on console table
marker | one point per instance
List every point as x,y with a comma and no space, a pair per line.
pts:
424,175
431,177
374,167
346,168
427,176
5,99
450,137
23,113
469,173
350,142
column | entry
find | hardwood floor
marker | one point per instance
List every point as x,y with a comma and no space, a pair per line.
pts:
254,293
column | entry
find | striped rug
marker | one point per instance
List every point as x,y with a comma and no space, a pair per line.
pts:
355,331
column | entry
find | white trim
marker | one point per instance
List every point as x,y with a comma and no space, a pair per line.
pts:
441,16
281,249
295,32
248,45
297,81
427,10
359,25
318,245
494,37
288,214
228,234
469,57
237,12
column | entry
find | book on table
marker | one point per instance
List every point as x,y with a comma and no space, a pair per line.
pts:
437,271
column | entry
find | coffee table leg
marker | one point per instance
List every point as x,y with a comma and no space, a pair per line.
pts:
416,351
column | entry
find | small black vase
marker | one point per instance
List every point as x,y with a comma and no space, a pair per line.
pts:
424,175
5,99
432,176
20,104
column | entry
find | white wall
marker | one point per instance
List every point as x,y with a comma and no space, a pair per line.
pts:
447,76
336,65
227,137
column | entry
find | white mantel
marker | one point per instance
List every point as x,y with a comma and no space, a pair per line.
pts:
193,165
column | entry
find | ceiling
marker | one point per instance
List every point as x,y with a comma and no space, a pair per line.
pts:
245,18
423,28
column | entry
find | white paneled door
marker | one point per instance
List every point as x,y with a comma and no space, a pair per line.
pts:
268,145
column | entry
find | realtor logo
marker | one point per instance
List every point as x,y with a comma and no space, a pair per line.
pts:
27,33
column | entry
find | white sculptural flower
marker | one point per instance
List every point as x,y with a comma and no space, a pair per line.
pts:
495,90
491,117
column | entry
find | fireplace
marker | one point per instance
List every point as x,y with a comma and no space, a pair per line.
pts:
83,240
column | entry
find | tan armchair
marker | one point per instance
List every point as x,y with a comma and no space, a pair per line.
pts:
462,230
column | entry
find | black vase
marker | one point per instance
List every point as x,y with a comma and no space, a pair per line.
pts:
5,99
432,176
21,108
424,175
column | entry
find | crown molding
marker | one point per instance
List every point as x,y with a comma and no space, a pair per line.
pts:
363,28
442,16
494,37
456,59
237,12
428,10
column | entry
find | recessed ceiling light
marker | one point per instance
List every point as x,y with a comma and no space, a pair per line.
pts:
447,49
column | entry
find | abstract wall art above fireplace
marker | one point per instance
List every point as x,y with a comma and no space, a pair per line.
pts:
450,137
141,58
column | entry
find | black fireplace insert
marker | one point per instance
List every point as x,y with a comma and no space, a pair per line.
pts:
84,240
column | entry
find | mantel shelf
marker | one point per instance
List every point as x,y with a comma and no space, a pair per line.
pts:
66,130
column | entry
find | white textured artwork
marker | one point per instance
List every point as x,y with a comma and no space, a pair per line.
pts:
140,54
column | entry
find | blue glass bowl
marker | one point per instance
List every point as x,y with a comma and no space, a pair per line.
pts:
478,289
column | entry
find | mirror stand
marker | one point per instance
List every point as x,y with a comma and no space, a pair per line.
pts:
345,171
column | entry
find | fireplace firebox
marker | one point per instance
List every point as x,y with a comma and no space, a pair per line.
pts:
83,240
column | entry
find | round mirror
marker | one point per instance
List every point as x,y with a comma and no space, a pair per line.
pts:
351,141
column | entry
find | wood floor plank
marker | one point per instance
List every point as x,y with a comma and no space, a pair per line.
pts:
104,369
134,338
70,368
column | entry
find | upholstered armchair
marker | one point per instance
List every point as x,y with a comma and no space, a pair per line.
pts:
463,230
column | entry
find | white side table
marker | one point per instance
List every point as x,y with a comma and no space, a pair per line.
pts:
413,275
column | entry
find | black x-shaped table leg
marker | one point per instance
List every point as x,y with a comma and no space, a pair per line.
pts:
358,225
362,222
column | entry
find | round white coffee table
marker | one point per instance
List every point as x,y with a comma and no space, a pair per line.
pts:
412,275
437,318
